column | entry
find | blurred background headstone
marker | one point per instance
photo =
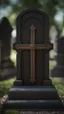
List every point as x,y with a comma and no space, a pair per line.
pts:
53,39
7,67
58,70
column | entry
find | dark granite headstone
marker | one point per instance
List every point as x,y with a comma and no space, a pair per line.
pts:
58,70
33,90
7,67
5,37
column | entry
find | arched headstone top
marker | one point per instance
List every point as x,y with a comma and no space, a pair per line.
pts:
5,22
32,11
33,17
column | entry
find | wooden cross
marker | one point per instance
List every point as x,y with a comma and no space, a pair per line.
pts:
32,46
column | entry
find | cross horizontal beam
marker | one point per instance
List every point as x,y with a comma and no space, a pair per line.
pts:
46,46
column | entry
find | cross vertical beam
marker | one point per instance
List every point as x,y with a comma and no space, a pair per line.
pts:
32,78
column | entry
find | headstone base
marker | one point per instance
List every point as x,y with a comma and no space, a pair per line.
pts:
33,98
45,83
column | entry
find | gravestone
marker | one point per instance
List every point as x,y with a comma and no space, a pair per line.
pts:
58,70
7,66
33,90
5,37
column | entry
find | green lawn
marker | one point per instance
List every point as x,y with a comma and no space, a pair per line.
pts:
13,56
59,84
52,63
4,89
5,86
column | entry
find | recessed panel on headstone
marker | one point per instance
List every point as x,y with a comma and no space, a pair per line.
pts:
25,22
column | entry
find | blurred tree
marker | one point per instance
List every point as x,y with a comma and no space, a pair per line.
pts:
31,4
48,6
4,3
61,8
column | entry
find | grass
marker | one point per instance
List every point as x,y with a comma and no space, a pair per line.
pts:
5,86
52,64
4,89
13,56
59,84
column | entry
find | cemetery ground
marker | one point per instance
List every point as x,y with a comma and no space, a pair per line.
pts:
7,84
